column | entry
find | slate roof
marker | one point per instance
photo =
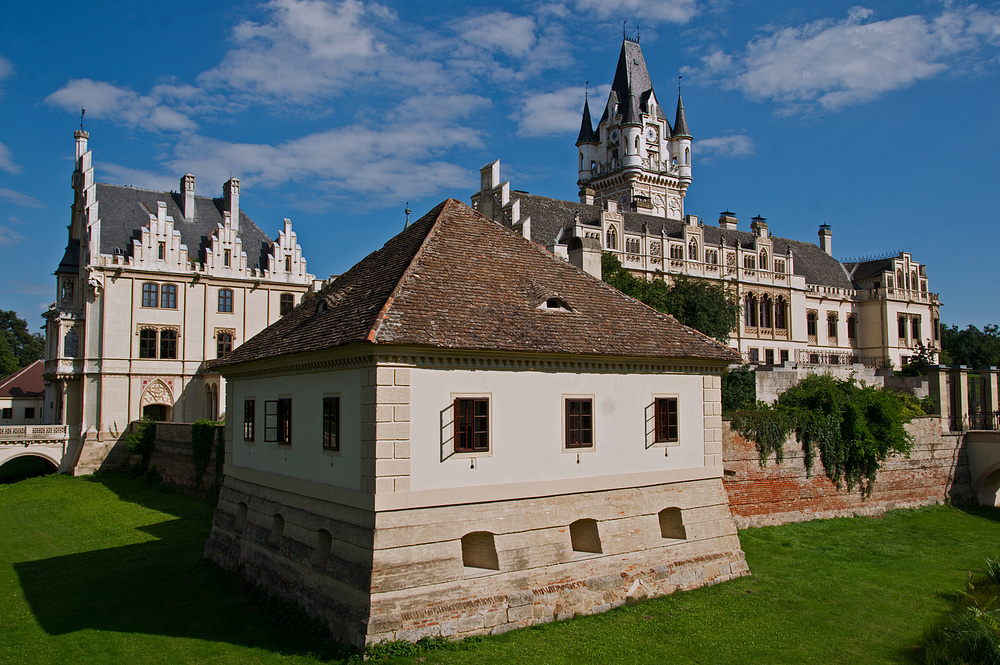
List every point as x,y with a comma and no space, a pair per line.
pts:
865,271
632,80
26,382
550,216
457,280
680,121
587,133
125,210
71,258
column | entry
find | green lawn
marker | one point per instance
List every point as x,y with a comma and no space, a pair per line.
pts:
107,570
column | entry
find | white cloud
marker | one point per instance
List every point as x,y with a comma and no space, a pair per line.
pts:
306,49
559,112
7,161
104,100
733,146
19,199
141,178
6,69
9,236
829,64
392,160
670,11
513,35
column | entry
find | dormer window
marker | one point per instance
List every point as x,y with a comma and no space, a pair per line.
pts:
322,307
555,304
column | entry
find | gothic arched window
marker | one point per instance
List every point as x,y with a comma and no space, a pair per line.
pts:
612,238
900,282
750,311
693,250
765,311
779,313
763,259
687,155
71,344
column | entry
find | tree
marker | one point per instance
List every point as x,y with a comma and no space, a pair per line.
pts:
972,346
702,304
19,348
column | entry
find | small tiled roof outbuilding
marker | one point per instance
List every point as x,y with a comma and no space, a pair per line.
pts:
457,280
25,382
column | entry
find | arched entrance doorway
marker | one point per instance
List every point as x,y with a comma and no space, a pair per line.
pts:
157,401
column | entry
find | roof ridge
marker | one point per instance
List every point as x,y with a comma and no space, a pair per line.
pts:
376,326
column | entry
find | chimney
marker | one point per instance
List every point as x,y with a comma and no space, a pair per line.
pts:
759,226
826,239
585,253
231,192
187,190
727,220
587,196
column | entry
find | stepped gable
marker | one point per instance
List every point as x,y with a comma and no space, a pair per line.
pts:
25,382
865,271
550,216
125,210
457,280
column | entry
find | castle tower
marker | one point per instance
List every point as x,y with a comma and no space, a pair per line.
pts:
635,157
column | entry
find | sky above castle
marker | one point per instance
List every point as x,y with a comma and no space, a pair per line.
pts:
879,119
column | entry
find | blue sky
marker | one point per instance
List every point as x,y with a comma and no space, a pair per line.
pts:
879,119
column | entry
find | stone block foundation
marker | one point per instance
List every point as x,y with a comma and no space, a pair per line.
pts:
406,574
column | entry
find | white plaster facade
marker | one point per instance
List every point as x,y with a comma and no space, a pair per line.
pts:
140,307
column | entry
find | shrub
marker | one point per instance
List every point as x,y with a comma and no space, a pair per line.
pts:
970,634
739,389
854,428
203,435
140,441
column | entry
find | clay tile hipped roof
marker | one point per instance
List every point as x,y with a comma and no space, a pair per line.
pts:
457,280
25,382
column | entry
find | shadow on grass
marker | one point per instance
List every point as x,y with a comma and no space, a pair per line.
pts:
164,587
986,512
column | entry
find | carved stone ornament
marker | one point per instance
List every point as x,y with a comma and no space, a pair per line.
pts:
157,393
96,283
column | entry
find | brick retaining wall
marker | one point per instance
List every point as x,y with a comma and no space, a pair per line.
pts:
937,471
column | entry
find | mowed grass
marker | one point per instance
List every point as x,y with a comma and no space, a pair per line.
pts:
107,570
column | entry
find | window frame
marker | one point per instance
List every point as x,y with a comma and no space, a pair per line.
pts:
281,413
151,346
168,296
585,426
661,429
286,303
457,435
7,413
150,294
331,423
219,352
249,419
168,344
226,298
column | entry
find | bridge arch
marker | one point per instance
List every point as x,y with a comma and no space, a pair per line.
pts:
27,464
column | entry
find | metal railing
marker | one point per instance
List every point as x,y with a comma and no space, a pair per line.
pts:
981,420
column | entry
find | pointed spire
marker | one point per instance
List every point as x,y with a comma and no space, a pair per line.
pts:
587,133
680,122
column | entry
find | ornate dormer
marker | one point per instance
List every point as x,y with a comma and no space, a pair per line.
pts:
224,255
285,261
634,157
159,246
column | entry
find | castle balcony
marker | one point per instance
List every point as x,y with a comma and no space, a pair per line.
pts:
26,434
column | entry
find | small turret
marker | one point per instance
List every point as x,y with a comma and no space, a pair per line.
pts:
681,142
587,142
231,193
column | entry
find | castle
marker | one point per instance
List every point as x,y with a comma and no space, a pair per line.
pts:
800,305
153,285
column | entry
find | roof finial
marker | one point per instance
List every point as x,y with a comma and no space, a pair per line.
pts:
624,34
407,225
637,35
83,112
679,83
586,90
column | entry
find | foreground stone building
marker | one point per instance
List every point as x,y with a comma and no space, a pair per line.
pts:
800,304
465,434
151,286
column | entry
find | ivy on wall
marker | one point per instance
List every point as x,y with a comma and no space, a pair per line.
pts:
852,427
203,437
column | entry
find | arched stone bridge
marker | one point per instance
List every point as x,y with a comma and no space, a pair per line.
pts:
47,442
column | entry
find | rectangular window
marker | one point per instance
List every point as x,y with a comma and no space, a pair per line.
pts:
225,258
225,300
915,323
901,324
811,324
150,292
712,257
168,344
768,356
331,423
779,267
784,356
936,324
248,419
29,413
7,413
665,419
831,326
160,251
579,423
754,356
852,328
147,343
278,421
168,296
472,425
224,344
286,304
